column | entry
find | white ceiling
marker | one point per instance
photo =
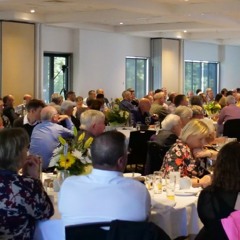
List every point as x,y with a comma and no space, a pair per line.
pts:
216,21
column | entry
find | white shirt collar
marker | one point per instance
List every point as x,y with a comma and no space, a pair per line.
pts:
25,121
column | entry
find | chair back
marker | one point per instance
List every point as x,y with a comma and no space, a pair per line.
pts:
155,155
138,148
231,128
119,230
87,231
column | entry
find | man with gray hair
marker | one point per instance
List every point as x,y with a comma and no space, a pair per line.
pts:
104,194
126,104
92,123
231,111
158,107
45,135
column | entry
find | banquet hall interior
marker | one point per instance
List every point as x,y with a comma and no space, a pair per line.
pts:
173,46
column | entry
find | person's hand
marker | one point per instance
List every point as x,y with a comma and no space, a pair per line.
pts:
155,117
206,153
203,182
31,167
62,117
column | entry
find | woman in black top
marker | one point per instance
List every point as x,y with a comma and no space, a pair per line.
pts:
218,200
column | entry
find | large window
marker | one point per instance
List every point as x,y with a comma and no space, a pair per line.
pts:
201,75
56,74
137,75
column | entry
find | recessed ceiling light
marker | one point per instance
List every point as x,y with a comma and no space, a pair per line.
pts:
179,36
186,0
185,31
32,11
121,23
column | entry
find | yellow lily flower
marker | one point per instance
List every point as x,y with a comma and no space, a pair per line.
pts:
88,143
81,137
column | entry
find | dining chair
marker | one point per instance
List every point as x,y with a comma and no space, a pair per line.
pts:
231,128
155,155
138,145
117,230
87,231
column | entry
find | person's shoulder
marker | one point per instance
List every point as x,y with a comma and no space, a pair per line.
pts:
18,122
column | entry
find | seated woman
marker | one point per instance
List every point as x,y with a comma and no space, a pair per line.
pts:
180,157
207,152
170,131
23,199
221,198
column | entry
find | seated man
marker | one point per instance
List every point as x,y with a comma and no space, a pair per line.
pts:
104,195
32,118
140,114
126,104
92,123
45,135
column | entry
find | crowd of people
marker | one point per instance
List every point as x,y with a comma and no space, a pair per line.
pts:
35,126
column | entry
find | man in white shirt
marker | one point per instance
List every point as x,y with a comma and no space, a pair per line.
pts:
104,195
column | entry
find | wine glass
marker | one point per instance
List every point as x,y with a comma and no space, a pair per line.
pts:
147,120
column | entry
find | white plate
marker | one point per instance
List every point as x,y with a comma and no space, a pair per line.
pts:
132,175
180,193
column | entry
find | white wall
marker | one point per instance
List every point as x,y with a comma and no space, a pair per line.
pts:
98,57
102,61
200,51
228,56
56,39
230,67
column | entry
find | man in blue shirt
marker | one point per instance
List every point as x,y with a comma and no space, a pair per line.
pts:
45,135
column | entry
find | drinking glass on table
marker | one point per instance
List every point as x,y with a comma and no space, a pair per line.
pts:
157,182
147,120
170,191
149,181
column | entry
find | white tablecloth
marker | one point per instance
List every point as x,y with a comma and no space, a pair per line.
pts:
179,220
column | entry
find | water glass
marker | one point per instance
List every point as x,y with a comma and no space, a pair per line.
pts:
138,126
157,182
170,191
147,120
149,181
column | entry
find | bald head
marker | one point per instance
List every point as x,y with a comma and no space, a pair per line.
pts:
144,105
48,113
27,98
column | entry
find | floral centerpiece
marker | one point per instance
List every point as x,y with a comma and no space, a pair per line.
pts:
73,155
212,108
115,116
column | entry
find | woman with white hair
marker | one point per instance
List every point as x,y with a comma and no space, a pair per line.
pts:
185,113
180,157
170,131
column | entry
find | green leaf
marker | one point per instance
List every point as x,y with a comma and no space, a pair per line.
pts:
75,132
62,140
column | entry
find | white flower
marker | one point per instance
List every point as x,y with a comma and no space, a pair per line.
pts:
126,115
77,154
88,160
58,150
115,107
83,160
54,160
121,113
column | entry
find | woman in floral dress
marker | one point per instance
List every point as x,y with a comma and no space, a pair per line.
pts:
180,155
22,197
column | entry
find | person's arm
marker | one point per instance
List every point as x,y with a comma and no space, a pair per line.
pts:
221,117
38,204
